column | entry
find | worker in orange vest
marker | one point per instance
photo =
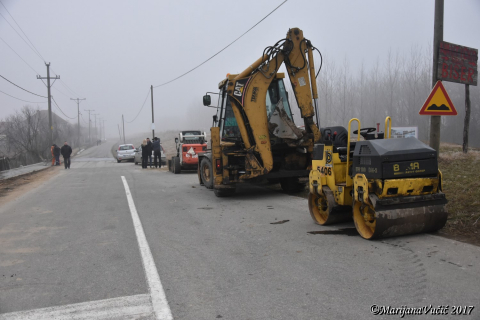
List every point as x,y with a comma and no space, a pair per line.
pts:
53,156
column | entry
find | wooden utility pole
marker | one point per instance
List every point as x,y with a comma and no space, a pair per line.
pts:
123,121
119,134
89,125
153,119
49,99
466,123
435,121
78,117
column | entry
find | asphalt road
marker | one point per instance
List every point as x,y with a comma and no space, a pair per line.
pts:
72,248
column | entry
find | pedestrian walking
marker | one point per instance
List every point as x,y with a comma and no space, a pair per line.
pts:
145,154
157,152
56,153
150,149
66,152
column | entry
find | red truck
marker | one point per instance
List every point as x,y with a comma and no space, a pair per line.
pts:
189,143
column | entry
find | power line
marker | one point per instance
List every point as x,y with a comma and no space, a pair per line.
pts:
19,56
81,116
61,109
140,108
21,99
21,87
35,49
1,15
160,85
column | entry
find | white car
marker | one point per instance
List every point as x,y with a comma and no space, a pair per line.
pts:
125,152
138,156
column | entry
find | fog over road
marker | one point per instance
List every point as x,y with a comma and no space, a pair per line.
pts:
72,246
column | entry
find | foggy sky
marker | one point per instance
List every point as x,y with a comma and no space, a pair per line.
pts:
110,52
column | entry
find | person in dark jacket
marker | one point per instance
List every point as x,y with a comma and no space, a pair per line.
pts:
150,149
56,153
157,151
145,154
66,152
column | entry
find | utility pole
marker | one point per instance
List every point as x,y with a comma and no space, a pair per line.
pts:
435,121
104,136
89,125
123,121
78,117
49,99
153,119
100,127
119,134
95,115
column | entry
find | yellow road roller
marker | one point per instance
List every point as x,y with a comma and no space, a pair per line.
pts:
390,187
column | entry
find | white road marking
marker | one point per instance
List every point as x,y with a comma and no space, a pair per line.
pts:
142,306
132,307
157,294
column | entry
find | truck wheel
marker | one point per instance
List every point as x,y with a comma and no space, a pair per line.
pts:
118,161
170,164
176,165
291,185
224,192
206,173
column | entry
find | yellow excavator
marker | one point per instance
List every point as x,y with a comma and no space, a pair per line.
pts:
390,186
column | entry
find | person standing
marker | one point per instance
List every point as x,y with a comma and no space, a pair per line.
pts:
66,153
56,153
145,154
150,150
156,152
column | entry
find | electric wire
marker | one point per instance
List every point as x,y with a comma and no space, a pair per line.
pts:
160,85
61,109
81,116
140,108
19,56
1,15
22,99
31,46
22,88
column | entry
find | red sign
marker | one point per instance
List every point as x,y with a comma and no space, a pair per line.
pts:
438,103
457,63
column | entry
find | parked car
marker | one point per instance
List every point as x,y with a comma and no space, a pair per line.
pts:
125,152
138,156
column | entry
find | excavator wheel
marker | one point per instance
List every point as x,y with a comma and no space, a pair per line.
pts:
324,210
206,173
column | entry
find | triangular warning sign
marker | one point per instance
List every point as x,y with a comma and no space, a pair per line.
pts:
438,103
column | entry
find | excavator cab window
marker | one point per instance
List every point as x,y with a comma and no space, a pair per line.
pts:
230,130
276,92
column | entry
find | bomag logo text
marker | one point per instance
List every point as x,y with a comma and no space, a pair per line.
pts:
414,165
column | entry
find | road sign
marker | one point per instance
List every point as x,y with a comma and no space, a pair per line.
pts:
457,63
438,103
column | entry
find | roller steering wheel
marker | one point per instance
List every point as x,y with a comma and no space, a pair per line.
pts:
365,131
